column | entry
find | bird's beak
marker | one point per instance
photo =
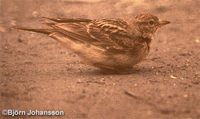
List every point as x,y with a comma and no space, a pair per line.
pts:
162,23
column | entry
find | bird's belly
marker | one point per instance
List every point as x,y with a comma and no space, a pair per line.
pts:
127,60
101,59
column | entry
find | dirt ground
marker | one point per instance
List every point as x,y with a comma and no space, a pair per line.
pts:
37,73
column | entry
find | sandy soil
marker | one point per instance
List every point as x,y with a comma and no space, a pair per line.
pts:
37,73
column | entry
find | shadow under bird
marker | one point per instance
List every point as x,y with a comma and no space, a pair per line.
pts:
109,44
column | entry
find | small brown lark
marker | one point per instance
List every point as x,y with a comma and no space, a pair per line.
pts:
111,44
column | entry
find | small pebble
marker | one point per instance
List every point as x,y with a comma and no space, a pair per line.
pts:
173,77
197,41
135,84
35,14
185,96
174,84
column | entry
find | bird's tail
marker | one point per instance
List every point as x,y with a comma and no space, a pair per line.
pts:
43,31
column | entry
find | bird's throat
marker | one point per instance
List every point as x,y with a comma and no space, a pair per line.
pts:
145,39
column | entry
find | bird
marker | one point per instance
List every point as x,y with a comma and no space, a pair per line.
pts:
114,44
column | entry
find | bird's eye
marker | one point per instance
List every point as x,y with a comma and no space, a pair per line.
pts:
151,22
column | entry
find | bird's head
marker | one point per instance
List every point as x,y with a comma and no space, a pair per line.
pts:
148,23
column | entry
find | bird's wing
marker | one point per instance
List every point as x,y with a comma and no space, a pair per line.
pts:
68,20
113,31
108,34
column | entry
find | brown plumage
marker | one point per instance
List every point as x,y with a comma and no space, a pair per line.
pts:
113,44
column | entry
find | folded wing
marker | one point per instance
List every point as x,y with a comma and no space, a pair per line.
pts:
108,34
